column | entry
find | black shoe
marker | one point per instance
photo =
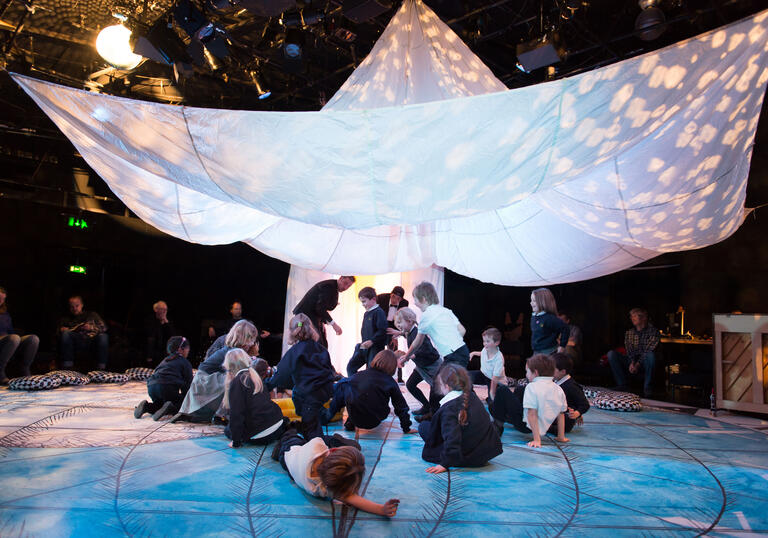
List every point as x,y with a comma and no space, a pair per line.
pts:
422,418
139,410
219,421
167,409
423,411
349,426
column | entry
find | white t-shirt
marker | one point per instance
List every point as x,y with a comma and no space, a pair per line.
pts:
299,460
547,398
442,326
493,366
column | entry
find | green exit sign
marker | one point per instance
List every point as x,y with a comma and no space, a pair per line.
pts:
79,269
75,222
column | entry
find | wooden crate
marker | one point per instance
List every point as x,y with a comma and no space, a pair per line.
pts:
741,361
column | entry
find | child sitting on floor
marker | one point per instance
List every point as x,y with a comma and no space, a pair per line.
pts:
328,467
306,368
426,360
460,434
169,383
367,395
235,360
533,408
574,394
253,417
491,373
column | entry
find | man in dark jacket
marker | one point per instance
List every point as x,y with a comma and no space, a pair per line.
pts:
390,303
319,300
158,329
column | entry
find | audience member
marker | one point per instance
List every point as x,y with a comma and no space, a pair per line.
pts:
10,343
157,330
491,373
169,382
573,348
546,327
82,330
639,344
574,394
320,300
373,332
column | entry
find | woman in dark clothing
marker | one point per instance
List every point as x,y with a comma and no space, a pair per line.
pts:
367,395
253,417
460,433
169,383
306,369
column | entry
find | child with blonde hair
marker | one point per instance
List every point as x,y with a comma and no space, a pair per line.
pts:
426,359
306,369
460,433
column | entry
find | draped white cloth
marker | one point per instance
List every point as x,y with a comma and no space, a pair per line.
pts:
557,182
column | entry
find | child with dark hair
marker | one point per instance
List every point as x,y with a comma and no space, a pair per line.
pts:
574,394
460,433
491,373
426,361
373,332
367,395
253,417
169,383
533,408
306,369
329,467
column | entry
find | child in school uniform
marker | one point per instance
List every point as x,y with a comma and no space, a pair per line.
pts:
491,373
306,368
329,467
253,417
373,332
533,408
367,395
426,359
169,383
574,394
546,326
460,433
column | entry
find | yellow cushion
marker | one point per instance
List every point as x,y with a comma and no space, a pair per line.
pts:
286,406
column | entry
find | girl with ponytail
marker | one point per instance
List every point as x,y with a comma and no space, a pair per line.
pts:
460,433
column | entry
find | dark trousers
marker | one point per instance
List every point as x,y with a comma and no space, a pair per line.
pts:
277,434
478,378
70,342
508,407
413,387
309,409
620,368
459,356
161,393
342,390
26,346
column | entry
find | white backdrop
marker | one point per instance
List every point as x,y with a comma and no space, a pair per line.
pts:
557,182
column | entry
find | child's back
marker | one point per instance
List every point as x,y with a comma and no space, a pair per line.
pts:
371,393
306,368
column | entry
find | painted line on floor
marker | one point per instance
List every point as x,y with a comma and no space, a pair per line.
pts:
743,520
716,431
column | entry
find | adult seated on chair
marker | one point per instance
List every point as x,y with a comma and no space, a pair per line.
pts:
573,347
10,343
640,344
158,329
82,330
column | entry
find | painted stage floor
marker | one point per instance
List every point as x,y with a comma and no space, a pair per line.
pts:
74,462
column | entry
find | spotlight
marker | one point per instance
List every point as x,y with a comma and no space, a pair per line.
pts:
539,53
261,92
649,24
113,44
161,44
292,45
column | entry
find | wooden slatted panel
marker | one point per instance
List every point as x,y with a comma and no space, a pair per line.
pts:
737,367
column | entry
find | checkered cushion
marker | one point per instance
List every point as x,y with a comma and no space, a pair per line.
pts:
34,382
100,376
618,401
70,377
592,392
141,374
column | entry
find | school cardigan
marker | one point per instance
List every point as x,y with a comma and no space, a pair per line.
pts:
574,397
173,370
374,328
215,361
545,328
426,354
372,390
452,445
306,368
249,413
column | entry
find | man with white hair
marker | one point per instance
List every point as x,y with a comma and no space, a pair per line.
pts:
158,329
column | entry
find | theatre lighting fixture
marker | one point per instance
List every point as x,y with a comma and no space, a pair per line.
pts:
649,24
540,52
293,43
261,91
113,44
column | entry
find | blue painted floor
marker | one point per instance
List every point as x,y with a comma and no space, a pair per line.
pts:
652,473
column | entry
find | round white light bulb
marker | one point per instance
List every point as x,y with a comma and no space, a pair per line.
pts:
113,45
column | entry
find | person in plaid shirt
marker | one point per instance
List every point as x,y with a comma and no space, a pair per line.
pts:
82,330
640,344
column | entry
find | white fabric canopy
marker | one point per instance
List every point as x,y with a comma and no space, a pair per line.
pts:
557,182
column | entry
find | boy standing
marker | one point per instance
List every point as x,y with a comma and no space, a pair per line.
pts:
491,373
373,332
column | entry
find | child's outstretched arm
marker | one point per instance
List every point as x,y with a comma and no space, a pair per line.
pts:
388,509
414,346
533,424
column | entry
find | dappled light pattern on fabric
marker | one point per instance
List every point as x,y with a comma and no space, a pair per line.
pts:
558,182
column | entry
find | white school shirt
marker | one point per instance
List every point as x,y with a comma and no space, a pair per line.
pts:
442,326
299,460
493,366
547,398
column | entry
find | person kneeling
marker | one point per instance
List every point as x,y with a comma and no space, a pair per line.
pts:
460,433
169,383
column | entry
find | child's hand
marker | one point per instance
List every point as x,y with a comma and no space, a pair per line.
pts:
366,344
436,469
411,430
562,439
573,414
392,331
231,445
533,443
389,508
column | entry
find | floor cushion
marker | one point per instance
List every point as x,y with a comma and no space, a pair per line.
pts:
34,382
